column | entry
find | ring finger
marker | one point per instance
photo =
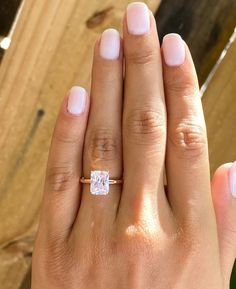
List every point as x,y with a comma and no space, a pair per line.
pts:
103,150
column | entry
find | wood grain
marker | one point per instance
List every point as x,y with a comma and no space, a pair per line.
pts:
219,102
51,51
206,25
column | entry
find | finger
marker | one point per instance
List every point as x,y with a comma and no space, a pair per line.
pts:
187,161
144,119
224,198
62,189
102,149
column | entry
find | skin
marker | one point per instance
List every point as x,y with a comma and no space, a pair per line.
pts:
138,236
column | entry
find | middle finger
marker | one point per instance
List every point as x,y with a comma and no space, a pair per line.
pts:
144,119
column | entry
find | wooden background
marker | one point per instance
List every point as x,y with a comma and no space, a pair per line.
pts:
51,50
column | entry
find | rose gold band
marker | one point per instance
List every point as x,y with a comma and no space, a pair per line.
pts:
111,182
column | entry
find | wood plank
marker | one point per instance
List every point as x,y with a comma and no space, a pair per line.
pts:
219,103
205,25
51,50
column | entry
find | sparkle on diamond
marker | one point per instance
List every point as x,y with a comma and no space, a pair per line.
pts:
99,182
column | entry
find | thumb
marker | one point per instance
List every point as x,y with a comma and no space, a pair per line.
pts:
224,199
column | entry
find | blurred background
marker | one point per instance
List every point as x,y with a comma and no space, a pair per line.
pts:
45,48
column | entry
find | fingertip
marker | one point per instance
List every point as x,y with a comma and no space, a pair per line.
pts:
221,190
178,66
110,44
176,53
73,114
77,100
222,170
173,50
139,24
138,18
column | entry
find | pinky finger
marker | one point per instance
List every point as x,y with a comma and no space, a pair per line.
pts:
62,187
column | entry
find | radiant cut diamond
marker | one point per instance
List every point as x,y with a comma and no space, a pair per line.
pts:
99,182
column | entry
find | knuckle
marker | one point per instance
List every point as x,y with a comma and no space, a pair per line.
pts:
51,257
187,244
189,139
190,240
145,125
104,145
61,178
55,250
138,240
100,249
142,56
57,261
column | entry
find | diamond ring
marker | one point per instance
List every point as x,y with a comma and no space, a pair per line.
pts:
99,182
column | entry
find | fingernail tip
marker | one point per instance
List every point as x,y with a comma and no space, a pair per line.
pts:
137,3
111,30
232,179
78,88
172,35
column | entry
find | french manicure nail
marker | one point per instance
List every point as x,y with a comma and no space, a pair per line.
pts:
77,100
138,18
110,44
173,49
232,179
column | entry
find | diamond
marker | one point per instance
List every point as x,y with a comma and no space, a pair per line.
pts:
99,182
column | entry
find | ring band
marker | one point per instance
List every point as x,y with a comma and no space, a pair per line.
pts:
111,182
100,182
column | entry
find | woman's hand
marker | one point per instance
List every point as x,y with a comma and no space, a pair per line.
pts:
138,235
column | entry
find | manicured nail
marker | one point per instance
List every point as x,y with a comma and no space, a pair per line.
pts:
77,100
110,44
173,49
232,179
138,18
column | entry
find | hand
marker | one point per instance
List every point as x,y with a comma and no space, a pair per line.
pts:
137,236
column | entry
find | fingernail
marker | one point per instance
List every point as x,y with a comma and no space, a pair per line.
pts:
232,179
77,100
110,44
173,49
138,18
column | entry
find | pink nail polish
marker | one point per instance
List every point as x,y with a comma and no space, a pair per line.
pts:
232,179
110,44
77,100
173,49
138,18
